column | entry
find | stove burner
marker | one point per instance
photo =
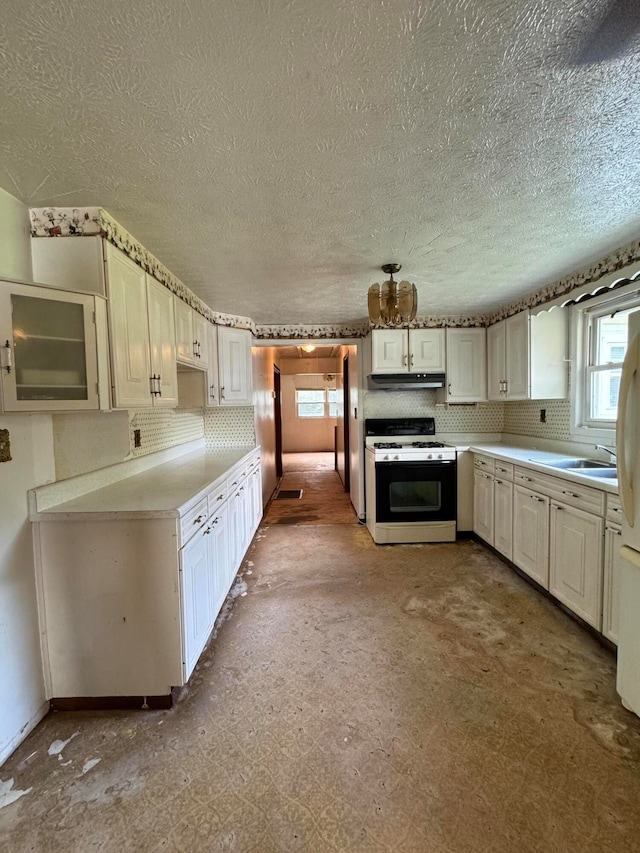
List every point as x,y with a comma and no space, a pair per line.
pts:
427,444
387,445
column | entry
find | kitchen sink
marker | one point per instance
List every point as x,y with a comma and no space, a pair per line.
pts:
606,472
576,464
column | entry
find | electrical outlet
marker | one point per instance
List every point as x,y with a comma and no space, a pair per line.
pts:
137,439
543,416
5,446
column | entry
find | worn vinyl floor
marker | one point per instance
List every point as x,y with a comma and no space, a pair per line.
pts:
323,501
359,698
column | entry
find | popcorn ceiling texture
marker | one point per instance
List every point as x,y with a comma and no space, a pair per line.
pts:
229,426
163,428
272,155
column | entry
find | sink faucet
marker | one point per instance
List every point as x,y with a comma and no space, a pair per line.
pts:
611,453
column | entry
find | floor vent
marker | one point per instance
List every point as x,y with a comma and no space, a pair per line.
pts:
288,494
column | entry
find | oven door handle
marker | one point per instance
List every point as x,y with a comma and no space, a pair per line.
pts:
436,463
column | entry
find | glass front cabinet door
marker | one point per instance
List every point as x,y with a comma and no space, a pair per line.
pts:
48,349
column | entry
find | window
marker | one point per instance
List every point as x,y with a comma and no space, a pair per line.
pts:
601,344
317,403
607,344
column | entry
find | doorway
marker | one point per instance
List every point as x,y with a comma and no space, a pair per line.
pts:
277,415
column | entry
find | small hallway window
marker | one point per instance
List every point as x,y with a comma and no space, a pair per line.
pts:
316,403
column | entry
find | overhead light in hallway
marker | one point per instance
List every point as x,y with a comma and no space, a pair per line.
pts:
392,303
308,348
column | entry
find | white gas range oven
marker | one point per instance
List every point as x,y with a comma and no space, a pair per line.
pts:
411,482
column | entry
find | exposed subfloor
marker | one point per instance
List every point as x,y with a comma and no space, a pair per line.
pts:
323,501
360,697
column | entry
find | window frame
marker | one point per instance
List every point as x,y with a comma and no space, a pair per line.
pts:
584,343
325,401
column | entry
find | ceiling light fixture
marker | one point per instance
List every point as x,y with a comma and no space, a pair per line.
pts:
392,303
308,348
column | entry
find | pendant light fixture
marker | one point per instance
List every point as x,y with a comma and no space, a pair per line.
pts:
392,303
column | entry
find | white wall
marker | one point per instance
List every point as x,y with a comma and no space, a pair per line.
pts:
263,360
31,465
304,435
15,239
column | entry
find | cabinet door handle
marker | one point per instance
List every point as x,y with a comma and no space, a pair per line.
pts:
221,392
155,389
159,386
208,530
411,360
215,521
8,356
212,390
449,388
197,520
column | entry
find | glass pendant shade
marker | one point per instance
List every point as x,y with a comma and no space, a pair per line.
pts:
392,303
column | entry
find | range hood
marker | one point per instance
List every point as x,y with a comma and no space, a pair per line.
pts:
404,381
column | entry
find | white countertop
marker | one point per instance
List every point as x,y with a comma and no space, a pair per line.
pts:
524,456
156,493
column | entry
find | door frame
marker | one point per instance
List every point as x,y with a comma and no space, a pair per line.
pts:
277,417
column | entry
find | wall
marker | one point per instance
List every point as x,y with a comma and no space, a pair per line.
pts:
264,359
309,435
32,464
523,418
480,418
15,239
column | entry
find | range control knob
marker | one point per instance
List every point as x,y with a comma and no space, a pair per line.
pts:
430,456
386,457
439,455
396,456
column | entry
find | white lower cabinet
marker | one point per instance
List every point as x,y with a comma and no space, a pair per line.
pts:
531,534
483,506
575,571
196,589
128,599
611,573
503,517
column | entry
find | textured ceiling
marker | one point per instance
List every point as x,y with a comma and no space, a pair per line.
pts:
274,153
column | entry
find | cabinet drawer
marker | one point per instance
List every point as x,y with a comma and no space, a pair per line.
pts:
483,463
564,491
614,509
504,470
193,519
217,497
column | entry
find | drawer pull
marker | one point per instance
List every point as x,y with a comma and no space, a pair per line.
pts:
540,500
220,497
571,494
208,530
618,532
528,479
498,481
558,507
197,520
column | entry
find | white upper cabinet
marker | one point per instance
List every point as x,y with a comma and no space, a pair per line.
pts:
200,338
142,325
191,335
162,346
407,350
234,351
185,339
50,347
129,327
212,397
466,366
527,357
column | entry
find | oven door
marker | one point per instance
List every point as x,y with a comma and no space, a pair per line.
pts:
415,491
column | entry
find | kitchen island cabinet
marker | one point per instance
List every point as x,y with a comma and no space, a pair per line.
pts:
131,577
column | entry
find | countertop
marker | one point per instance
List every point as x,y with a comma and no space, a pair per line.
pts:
156,493
523,456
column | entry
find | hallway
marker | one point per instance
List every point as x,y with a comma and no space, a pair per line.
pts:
359,698
323,501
